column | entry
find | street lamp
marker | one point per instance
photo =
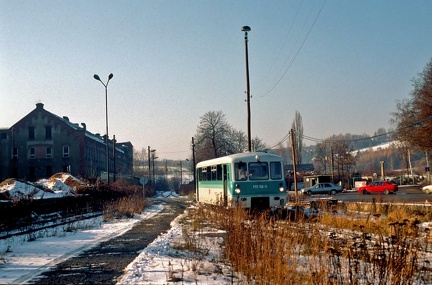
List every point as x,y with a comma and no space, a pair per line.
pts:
154,157
149,166
246,29
106,119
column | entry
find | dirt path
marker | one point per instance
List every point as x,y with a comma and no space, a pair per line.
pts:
105,262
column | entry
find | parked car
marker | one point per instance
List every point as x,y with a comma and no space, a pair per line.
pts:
378,187
322,188
427,189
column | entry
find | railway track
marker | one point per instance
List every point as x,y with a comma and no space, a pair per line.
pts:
48,221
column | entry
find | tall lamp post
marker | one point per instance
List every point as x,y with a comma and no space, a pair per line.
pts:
246,29
149,166
154,177
106,119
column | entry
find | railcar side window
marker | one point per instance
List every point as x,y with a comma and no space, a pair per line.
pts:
219,172
209,173
202,174
241,172
213,173
258,171
275,170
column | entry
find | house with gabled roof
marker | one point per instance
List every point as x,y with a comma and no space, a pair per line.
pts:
42,143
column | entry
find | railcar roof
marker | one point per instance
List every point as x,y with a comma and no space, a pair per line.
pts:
244,156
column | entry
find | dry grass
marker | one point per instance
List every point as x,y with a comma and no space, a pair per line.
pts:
124,207
347,244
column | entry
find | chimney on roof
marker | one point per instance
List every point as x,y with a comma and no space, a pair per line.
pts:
39,105
66,118
84,126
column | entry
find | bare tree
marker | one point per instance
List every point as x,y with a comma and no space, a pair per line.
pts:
413,116
237,141
343,158
258,144
215,137
212,135
320,160
297,127
140,162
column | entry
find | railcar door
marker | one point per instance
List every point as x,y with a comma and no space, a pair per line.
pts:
197,179
225,184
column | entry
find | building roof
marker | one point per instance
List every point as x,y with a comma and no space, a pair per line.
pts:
74,126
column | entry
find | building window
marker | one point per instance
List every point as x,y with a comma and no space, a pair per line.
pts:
65,151
48,152
15,152
31,133
32,172
32,153
66,168
3,136
48,171
48,132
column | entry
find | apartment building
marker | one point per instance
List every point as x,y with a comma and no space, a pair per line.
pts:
42,143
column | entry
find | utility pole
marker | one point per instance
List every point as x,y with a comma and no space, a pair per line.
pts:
149,172
294,165
247,29
114,158
193,161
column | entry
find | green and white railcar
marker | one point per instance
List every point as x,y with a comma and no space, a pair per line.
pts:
251,179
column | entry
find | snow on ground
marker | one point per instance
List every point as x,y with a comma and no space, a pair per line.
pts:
161,262
21,260
57,186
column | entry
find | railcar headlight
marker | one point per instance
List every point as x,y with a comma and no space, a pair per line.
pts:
237,189
281,188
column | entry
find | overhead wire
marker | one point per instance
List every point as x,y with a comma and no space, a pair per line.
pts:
278,56
296,54
317,140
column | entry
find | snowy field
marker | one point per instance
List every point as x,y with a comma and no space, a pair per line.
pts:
159,263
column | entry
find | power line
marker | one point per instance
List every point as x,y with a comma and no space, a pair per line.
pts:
317,140
295,56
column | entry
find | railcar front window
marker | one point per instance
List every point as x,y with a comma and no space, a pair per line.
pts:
258,171
241,171
275,170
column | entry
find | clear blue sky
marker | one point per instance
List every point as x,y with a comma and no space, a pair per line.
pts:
341,64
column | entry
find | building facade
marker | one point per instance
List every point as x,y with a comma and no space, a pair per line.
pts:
42,143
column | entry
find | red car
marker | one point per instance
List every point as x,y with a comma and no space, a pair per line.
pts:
378,187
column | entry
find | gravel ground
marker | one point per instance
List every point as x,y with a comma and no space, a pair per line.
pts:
105,262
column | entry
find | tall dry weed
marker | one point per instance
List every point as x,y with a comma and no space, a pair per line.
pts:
123,207
374,244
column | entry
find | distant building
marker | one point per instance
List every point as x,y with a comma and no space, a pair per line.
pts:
42,143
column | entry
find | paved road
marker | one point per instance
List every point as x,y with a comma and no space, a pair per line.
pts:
406,194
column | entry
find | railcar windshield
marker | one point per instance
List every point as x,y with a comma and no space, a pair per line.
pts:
258,171
275,170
